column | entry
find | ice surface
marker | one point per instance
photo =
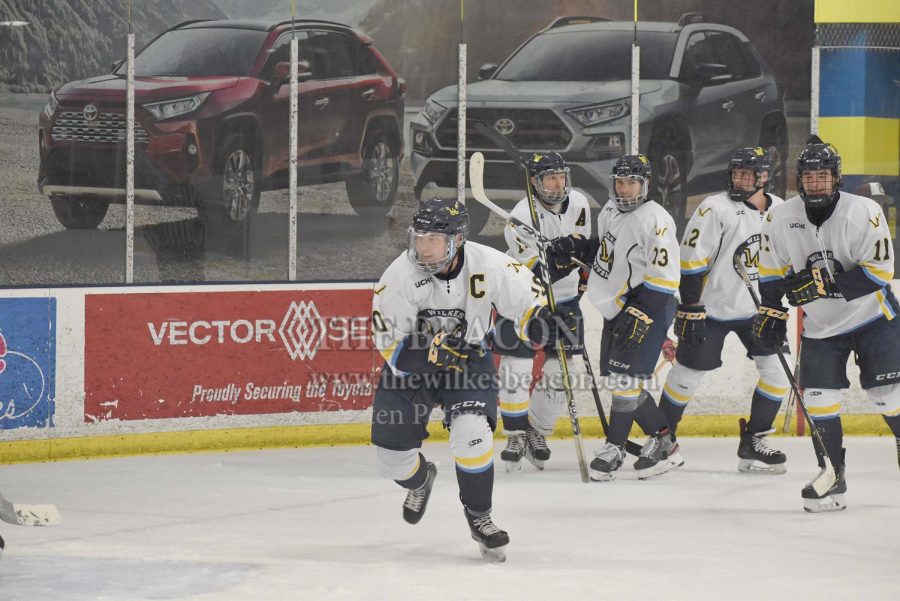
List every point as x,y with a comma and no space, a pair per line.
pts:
318,523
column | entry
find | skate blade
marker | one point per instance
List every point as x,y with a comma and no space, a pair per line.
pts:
31,515
672,462
601,476
513,466
538,463
496,555
825,504
751,466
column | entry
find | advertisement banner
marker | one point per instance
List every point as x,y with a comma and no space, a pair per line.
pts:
27,362
187,354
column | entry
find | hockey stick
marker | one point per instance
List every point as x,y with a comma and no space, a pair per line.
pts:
476,178
28,515
788,410
826,479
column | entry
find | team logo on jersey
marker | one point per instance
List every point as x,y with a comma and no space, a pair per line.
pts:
876,222
747,254
451,321
829,264
703,212
603,262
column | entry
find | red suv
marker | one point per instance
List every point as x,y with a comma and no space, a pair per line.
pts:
211,122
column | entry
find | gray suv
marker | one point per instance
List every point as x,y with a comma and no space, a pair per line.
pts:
704,91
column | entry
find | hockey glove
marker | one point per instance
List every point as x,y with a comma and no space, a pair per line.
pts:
562,250
546,328
808,285
447,352
632,326
690,324
770,328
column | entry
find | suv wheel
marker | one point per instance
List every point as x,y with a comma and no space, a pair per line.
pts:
670,164
79,212
774,140
238,179
373,194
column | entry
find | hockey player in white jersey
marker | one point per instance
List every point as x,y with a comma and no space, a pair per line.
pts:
562,212
725,228
432,311
830,252
634,275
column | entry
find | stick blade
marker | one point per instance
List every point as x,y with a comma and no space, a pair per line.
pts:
825,480
31,515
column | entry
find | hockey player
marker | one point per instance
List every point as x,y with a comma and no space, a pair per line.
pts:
431,314
635,274
830,252
562,212
714,301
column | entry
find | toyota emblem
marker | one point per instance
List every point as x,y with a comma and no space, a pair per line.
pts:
505,126
90,112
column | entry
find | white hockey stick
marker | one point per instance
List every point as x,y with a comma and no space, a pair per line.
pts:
476,179
21,514
827,477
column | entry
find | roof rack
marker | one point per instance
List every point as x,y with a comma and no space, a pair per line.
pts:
574,20
690,19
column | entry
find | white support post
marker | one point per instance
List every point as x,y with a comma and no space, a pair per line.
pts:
129,163
292,168
461,128
814,93
635,97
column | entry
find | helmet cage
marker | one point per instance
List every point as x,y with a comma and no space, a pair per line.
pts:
436,265
629,204
552,197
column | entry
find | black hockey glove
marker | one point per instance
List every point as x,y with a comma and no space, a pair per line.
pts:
632,326
448,352
690,324
770,328
562,250
809,285
545,328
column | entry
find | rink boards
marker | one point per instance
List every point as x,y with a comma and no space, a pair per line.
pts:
104,371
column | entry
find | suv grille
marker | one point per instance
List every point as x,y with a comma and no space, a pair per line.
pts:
108,127
534,129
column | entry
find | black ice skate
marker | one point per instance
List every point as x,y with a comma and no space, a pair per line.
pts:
536,450
757,457
514,451
830,500
658,456
491,540
606,461
417,498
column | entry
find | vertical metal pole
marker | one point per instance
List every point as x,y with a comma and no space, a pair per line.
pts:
461,113
292,168
814,93
635,87
129,157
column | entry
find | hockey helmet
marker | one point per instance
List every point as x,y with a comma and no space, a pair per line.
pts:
542,164
755,160
631,167
818,157
439,229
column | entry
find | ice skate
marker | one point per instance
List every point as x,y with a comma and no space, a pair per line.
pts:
606,461
757,457
658,456
417,498
2,544
831,500
514,451
536,450
491,540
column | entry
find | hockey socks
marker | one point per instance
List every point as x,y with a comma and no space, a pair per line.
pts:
763,409
649,417
832,434
619,426
418,477
476,489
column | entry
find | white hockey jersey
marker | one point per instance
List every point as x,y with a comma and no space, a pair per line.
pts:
720,231
636,247
576,219
856,235
408,301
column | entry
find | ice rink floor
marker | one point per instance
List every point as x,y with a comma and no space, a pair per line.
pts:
317,523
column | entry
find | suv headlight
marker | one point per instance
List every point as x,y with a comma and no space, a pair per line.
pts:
600,113
52,105
433,111
173,108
